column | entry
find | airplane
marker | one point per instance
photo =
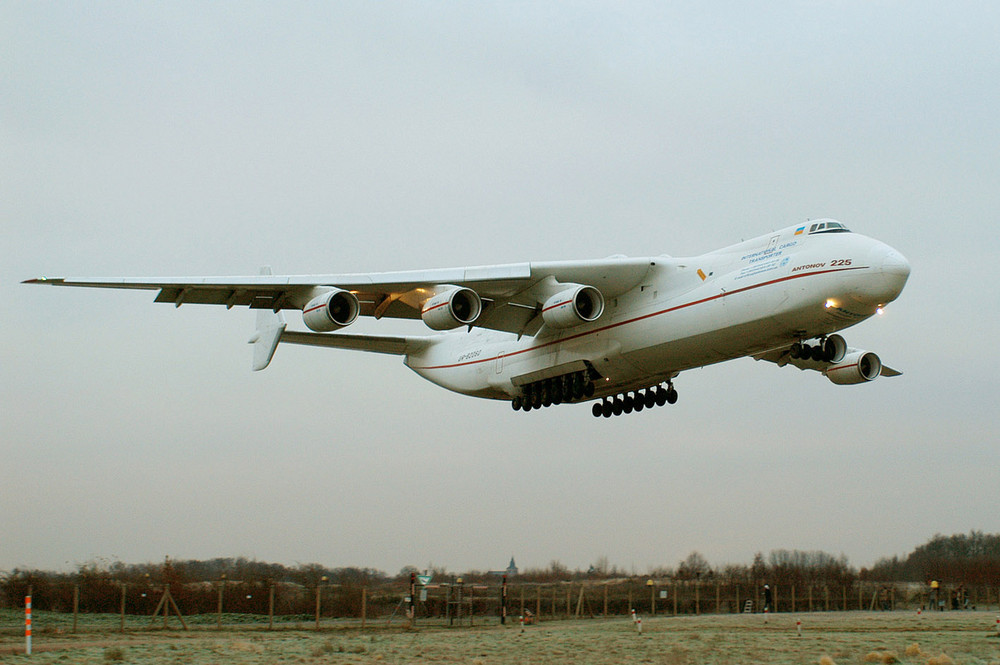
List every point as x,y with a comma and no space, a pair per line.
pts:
611,331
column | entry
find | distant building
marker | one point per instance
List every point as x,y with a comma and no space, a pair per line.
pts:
511,569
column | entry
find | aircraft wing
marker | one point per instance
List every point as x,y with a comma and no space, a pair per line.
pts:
512,294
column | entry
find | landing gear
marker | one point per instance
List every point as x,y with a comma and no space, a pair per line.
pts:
635,401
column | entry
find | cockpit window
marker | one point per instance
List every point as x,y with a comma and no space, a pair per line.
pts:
828,227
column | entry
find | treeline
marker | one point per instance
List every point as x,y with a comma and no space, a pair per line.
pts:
972,558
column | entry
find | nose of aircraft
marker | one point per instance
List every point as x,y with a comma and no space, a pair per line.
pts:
895,269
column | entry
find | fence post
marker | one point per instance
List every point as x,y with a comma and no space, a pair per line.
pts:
122,628
270,606
218,609
826,597
76,605
652,598
364,606
675,598
793,598
605,600
538,604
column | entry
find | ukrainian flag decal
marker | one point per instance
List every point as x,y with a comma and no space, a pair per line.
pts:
799,230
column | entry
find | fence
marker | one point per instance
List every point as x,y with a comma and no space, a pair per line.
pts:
270,605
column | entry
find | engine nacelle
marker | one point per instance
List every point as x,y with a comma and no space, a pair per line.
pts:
855,367
450,309
576,305
331,311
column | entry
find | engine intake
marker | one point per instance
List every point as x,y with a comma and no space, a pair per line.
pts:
580,304
855,367
330,311
457,307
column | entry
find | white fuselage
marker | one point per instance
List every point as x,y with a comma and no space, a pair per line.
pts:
752,297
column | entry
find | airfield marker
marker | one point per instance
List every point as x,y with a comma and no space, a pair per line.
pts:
27,624
998,626
638,623
798,627
522,623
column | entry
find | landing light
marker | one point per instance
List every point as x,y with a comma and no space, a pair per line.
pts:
830,303
880,310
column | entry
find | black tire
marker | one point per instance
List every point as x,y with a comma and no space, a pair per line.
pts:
650,398
661,396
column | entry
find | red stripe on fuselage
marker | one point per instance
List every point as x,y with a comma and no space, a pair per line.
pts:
644,317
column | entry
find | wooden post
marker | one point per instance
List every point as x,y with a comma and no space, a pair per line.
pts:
826,598
675,598
605,600
76,604
569,601
631,607
718,598
522,600
317,606
844,590
793,598
861,600
697,598
122,628
218,608
553,603
738,607
364,606
810,597
270,606
775,599
538,604
652,600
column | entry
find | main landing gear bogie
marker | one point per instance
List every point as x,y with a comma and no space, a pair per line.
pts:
566,388
635,401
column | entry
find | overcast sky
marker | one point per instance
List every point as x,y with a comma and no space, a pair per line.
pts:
198,139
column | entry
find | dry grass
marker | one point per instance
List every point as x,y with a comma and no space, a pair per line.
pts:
827,639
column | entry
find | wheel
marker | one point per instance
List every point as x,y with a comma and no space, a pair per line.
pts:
536,399
650,398
829,350
607,409
588,389
597,410
579,387
796,351
818,353
638,401
627,404
618,406
806,352
661,396
516,403
671,395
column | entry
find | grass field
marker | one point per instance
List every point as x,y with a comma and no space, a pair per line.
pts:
827,638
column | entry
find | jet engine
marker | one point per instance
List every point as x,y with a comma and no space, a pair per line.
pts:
453,308
855,367
332,310
580,304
